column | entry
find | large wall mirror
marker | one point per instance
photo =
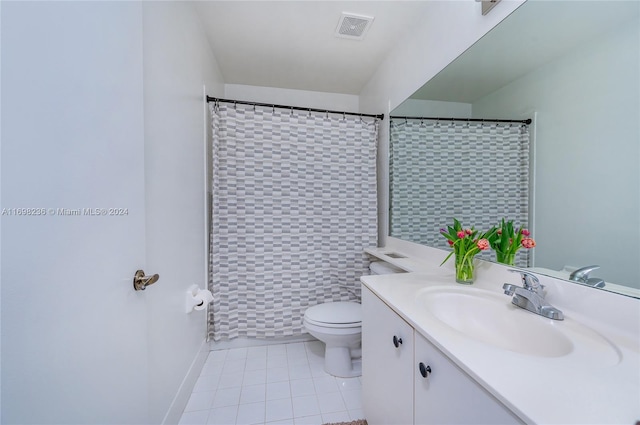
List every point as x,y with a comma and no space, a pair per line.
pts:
574,68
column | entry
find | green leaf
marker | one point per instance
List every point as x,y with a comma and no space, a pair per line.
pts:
448,256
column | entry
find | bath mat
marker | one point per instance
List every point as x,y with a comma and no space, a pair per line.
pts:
357,422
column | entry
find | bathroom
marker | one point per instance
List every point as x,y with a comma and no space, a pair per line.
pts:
78,344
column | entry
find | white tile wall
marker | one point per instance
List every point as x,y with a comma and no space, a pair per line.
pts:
275,384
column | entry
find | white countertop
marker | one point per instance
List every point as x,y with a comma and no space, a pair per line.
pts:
593,384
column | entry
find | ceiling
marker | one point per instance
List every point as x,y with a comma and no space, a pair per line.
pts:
291,44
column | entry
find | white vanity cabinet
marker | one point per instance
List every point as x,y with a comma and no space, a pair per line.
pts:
387,364
447,395
393,388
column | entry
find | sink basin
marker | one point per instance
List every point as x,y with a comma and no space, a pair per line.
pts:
490,318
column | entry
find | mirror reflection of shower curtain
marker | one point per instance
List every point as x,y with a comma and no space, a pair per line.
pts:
293,207
477,172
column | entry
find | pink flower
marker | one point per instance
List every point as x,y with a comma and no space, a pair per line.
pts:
450,242
461,234
525,232
499,231
468,231
483,244
528,243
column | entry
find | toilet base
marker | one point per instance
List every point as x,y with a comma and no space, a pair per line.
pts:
338,362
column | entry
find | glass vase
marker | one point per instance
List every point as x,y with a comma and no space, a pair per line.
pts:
465,271
508,259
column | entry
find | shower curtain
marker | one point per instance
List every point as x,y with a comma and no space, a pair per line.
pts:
293,207
477,172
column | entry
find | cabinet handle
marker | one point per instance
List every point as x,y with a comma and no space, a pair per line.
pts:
424,370
397,341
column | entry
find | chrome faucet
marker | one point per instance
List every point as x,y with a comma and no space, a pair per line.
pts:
530,296
582,275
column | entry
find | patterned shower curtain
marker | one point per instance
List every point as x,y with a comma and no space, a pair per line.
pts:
477,172
293,207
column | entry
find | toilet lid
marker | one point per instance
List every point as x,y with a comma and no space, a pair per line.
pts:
335,313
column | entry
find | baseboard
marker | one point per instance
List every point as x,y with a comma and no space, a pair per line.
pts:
251,342
186,387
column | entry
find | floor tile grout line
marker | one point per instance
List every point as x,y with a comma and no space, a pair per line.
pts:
292,356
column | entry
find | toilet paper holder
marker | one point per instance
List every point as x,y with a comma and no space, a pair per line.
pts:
197,299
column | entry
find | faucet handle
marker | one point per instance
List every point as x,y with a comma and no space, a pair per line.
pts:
582,274
529,281
509,289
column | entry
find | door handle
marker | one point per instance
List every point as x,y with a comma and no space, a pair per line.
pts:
140,281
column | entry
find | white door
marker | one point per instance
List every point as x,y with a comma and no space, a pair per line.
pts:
73,329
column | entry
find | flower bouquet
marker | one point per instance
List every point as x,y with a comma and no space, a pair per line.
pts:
507,240
466,243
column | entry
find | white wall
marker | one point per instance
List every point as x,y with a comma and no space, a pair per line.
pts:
432,108
178,62
288,97
448,29
587,178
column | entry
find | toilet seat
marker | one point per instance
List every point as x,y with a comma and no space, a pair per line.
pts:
339,314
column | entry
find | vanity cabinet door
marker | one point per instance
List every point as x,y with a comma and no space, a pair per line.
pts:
447,395
387,370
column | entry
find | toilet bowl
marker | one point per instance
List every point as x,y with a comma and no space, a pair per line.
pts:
339,326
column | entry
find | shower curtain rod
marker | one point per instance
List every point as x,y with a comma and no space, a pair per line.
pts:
297,108
527,121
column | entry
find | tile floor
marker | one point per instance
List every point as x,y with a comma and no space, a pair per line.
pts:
274,384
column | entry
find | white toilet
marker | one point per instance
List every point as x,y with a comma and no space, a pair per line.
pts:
339,326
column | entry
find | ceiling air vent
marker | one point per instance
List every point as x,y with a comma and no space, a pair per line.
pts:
353,26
